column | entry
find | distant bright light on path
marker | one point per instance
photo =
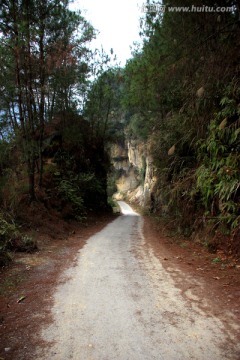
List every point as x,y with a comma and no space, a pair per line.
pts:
116,20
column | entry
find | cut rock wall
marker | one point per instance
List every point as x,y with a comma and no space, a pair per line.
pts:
137,178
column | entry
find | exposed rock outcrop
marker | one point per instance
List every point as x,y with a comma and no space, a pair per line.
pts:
134,165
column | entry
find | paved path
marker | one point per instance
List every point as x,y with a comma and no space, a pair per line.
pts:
119,303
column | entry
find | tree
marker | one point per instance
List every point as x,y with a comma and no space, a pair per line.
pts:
103,108
43,62
174,86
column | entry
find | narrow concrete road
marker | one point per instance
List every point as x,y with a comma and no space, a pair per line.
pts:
119,303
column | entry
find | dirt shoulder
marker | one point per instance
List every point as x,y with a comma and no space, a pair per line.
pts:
28,284
213,278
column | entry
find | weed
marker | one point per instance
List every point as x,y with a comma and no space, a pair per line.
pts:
216,260
183,245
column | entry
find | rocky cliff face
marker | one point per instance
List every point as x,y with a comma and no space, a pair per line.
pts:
136,175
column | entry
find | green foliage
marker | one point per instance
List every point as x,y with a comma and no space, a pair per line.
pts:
12,239
219,173
43,71
139,127
5,148
8,232
103,109
81,192
27,244
216,260
114,205
142,172
111,183
70,192
181,96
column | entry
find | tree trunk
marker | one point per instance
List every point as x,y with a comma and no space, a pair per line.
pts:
31,178
42,100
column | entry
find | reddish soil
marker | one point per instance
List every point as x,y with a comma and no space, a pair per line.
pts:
28,284
218,274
